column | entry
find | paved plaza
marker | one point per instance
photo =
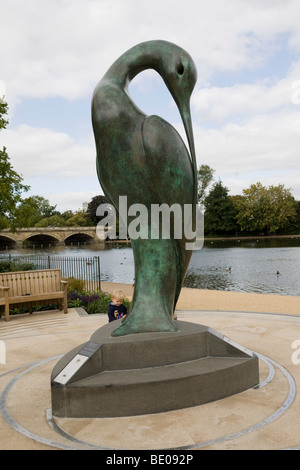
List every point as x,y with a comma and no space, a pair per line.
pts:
265,417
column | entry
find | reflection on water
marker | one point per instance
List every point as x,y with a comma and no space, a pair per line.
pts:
248,266
241,266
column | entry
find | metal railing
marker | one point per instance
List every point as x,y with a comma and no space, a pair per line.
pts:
85,268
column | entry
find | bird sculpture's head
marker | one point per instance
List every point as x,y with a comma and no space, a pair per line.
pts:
174,65
179,73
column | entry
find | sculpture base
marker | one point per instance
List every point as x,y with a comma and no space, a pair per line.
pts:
149,372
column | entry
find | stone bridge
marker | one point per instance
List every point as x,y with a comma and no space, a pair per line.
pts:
48,236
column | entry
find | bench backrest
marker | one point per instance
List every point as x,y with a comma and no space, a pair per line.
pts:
31,282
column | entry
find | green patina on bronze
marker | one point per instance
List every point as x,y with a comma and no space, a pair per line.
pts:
144,158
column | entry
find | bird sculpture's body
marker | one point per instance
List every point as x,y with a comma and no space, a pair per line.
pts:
144,158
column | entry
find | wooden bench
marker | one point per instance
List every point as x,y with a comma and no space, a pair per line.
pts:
39,287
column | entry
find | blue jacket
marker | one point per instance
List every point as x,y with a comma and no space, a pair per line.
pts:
114,312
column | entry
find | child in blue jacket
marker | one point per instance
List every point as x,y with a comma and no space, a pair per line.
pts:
116,308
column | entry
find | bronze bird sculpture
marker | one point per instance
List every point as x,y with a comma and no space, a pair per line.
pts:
145,159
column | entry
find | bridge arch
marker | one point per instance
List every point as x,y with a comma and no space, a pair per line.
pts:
79,238
37,236
40,240
7,242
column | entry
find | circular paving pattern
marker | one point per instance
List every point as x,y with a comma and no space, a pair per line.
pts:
233,422
75,443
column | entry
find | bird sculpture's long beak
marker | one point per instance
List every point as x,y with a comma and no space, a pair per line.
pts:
187,122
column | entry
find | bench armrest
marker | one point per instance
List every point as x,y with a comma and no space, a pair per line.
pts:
64,284
4,288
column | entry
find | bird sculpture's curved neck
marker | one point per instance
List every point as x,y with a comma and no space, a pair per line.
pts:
156,55
131,63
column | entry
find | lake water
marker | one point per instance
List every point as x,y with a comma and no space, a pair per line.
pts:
240,266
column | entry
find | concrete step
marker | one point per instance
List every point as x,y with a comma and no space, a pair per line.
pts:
121,378
150,373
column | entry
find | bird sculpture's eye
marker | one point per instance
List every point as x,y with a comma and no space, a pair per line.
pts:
180,68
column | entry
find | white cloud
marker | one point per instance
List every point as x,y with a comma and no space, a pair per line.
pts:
55,48
254,151
70,200
2,89
218,104
62,48
43,152
241,100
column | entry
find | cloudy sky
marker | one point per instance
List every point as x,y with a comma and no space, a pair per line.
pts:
245,106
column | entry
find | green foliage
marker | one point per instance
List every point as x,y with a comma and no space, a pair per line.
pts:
205,177
75,303
294,225
11,185
266,209
30,211
3,112
92,209
92,302
35,308
220,212
100,305
77,285
67,214
4,222
67,219
53,221
79,219
15,265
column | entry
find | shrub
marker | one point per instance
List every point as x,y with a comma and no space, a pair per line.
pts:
92,302
15,265
100,305
75,303
5,266
95,307
74,284
35,308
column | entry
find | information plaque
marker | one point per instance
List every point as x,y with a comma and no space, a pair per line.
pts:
74,365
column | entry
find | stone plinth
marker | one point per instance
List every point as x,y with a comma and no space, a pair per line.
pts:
149,372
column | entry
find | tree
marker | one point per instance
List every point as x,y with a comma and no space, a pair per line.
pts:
3,112
92,209
55,220
4,222
46,210
205,177
293,226
79,219
220,212
30,211
11,185
67,214
266,209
